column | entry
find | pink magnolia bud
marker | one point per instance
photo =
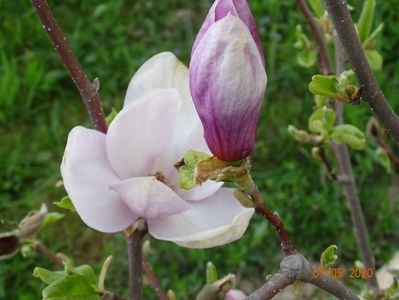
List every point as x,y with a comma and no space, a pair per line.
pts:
235,295
228,79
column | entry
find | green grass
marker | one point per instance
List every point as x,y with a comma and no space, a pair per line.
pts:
39,105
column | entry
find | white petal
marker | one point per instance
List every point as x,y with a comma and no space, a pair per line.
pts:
149,198
218,220
141,132
87,174
161,71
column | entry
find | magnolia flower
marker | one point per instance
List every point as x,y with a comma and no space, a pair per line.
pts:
228,79
235,295
117,178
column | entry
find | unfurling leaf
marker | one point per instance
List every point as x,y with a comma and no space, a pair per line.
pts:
324,85
51,218
317,7
322,120
365,22
306,58
350,135
328,257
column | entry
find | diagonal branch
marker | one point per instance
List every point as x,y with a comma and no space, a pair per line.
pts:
87,90
152,279
371,92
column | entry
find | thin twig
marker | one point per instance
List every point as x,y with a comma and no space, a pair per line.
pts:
153,280
275,220
322,56
135,253
371,92
297,267
349,184
40,248
87,90
327,163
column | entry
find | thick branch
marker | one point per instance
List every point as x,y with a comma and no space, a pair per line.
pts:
297,267
371,92
322,56
135,253
87,90
349,185
152,279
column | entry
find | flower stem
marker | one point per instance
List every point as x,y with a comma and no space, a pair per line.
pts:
135,253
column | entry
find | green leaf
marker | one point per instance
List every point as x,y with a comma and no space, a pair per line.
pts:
72,287
211,273
111,116
306,58
369,43
87,272
328,257
317,7
324,85
48,276
322,120
366,19
328,118
375,59
186,171
51,218
66,203
350,135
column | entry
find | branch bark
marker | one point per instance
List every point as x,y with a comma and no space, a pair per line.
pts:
135,253
87,90
297,267
152,279
43,250
371,92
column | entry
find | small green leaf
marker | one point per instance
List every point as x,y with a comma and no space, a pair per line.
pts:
328,257
317,7
48,276
51,218
328,118
375,59
87,272
365,22
324,85
211,273
322,120
369,43
350,135
66,203
186,171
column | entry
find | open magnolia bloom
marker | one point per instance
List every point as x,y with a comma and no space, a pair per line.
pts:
116,178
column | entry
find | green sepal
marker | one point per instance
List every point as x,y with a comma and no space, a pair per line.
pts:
187,169
328,257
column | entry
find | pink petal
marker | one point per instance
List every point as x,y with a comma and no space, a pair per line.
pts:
162,71
87,174
149,198
141,132
218,220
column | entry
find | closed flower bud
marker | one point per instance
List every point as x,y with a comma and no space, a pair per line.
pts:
228,79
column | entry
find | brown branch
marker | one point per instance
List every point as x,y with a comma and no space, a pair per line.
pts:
87,90
349,184
297,267
40,248
274,219
327,163
152,279
135,253
322,56
371,92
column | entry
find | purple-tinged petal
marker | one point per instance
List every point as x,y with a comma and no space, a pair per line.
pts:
87,174
223,8
149,198
142,132
218,220
227,83
235,295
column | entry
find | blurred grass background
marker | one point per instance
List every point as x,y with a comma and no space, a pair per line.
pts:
39,105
